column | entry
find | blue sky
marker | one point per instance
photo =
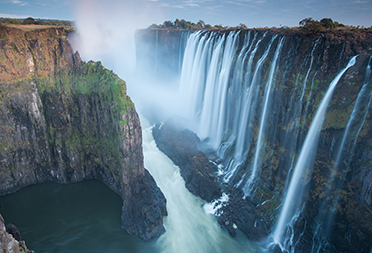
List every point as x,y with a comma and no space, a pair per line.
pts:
253,13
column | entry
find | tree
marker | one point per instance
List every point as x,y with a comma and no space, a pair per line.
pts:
16,22
328,23
177,23
6,21
311,26
40,22
154,26
29,21
200,24
242,26
168,24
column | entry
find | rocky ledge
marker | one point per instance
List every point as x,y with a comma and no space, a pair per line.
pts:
180,145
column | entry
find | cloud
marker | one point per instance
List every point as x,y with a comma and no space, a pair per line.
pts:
171,6
19,2
192,3
7,15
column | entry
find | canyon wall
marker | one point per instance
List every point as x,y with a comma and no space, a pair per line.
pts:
64,120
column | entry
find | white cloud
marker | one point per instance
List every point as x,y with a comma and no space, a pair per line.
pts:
192,3
6,15
19,2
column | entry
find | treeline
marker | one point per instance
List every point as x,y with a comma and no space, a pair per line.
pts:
312,26
32,21
188,25
307,25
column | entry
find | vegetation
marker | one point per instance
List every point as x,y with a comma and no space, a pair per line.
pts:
309,25
89,78
188,25
91,88
32,21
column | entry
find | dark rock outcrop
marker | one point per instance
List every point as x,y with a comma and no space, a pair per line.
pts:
14,231
10,239
63,120
180,145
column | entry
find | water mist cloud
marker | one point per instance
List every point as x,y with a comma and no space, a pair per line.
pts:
106,31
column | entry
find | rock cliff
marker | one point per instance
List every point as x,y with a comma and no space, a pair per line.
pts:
64,120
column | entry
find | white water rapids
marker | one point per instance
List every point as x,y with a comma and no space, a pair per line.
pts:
188,227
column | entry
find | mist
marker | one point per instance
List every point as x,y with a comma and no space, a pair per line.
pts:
106,33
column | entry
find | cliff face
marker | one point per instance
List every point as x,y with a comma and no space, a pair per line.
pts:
334,196
63,120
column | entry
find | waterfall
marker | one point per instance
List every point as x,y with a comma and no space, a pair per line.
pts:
242,115
290,142
181,48
305,160
193,72
257,101
260,146
212,118
345,151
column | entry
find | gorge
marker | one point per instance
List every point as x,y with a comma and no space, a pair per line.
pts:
272,128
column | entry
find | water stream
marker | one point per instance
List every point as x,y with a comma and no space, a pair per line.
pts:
189,228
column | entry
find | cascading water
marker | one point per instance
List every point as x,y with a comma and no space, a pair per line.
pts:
188,227
218,104
304,161
241,115
291,143
342,162
260,145
207,67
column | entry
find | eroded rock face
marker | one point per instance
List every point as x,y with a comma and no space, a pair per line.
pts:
63,120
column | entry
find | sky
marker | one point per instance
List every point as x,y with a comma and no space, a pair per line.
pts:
253,13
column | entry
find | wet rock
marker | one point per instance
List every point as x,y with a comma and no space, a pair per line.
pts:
144,209
14,231
180,145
